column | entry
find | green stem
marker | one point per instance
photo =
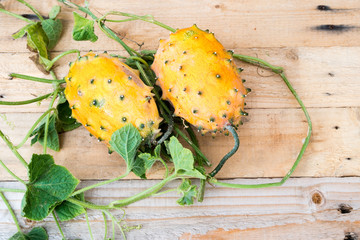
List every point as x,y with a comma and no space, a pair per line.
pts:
11,173
99,184
16,15
12,190
201,193
13,149
87,204
49,66
229,154
146,18
145,194
33,127
32,9
258,61
83,9
113,229
166,191
106,226
117,223
11,211
140,60
88,224
27,101
35,79
58,225
48,116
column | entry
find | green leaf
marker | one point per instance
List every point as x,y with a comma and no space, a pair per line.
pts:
125,142
38,41
83,29
67,210
65,122
49,185
139,168
55,10
22,31
37,233
188,191
52,138
183,159
52,29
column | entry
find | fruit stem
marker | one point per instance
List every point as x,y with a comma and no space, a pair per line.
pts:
11,211
168,131
26,101
278,70
232,130
35,79
11,173
13,149
258,61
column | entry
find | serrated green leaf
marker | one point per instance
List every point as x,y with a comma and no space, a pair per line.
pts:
37,41
125,142
52,29
67,210
22,31
55,10
188,191
52,138
49,185
83,29
37,233
183,159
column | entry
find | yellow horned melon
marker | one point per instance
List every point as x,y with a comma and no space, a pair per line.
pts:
105,94
197,75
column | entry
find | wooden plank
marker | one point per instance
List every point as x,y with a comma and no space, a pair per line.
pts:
304,208
318,74
236,23
270,141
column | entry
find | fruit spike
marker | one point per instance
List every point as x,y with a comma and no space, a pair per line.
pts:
107,99
207,90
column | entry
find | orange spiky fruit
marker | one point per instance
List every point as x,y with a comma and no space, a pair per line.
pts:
105,94
197,75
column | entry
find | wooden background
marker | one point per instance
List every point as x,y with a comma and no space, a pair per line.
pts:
320,49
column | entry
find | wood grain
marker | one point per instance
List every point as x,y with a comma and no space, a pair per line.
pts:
323,77
236,23
286,212
270,141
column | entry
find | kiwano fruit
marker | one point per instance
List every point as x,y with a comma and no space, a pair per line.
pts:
198,76
105,94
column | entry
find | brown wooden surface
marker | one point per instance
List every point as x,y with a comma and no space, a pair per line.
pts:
320,51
